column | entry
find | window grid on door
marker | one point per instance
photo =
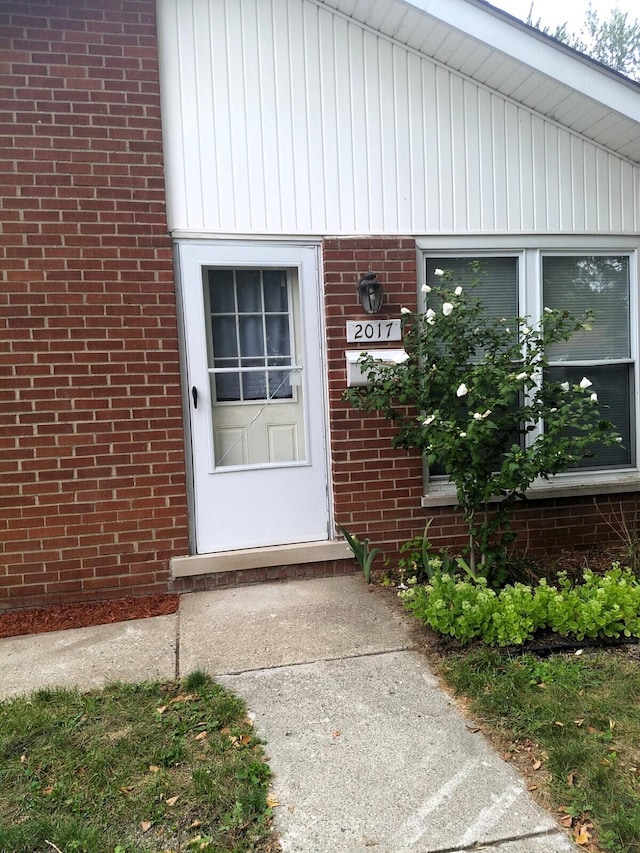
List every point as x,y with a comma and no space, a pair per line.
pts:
249,335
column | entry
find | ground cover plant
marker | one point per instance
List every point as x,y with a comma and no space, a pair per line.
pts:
154,766
572,723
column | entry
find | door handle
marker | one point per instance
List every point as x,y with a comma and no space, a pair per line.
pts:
194,394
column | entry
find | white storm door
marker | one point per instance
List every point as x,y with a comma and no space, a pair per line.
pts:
254,364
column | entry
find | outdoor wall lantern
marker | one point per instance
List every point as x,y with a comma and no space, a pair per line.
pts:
370,293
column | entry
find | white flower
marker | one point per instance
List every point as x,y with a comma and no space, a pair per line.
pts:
405,310
431,315
463,435
425,288
507,330
553,410
428,420
462,390
594,397
458,291
548,310
585,383
526,330
447,308
477,416
522,376
564,386
400,358
438,272
487,413
619,440
503,319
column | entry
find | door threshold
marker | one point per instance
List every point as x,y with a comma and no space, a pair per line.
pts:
259,558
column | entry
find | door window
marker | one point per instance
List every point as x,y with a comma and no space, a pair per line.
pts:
255,381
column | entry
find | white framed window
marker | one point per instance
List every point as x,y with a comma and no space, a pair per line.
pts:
523,274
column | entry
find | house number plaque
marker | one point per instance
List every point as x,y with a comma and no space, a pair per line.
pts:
367,331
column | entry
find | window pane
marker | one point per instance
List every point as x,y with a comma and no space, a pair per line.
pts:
613,384
495,284
227,387
221,296
225,343
275,291
598,283
248,284
251,336
277,334
254,386
279,384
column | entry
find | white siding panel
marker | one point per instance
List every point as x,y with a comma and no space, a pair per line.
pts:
282,117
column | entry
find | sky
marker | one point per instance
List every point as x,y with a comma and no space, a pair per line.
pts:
555,12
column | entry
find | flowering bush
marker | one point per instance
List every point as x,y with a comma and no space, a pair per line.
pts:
472,396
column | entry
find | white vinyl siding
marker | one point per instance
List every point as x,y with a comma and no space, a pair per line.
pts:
283,117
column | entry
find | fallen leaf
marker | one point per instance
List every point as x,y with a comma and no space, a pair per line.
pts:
537,765
591,730
567,821
153,768
161,709
570,779
581,837
578,723
225,731
145,825
558,723
126,789
245,740
47,791
272,801
201,736
195,824
23,759
184,697
172,800
542,685
473,729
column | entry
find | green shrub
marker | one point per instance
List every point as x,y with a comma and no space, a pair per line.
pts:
602,606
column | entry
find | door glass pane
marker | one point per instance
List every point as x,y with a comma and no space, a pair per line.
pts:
600,284
277,327
221,292
280,384
248,285
275,291
254,386
251,335
226,386
225,341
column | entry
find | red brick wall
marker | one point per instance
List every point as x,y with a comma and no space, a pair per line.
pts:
377,490
91,447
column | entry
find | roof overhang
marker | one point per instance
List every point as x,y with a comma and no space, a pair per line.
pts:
533,69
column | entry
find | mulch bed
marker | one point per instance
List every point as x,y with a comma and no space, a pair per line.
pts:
61,616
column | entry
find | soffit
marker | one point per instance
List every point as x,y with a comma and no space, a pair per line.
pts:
495,49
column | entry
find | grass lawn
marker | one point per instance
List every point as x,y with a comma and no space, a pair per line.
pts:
573,723
145,767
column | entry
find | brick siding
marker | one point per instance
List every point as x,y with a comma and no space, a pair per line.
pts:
91,447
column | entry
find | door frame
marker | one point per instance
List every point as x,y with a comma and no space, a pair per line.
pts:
185,242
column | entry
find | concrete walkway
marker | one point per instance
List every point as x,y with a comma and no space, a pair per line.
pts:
369,755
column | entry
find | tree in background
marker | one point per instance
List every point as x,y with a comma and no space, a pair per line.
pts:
613,41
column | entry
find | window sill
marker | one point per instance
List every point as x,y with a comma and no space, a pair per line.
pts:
563,486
